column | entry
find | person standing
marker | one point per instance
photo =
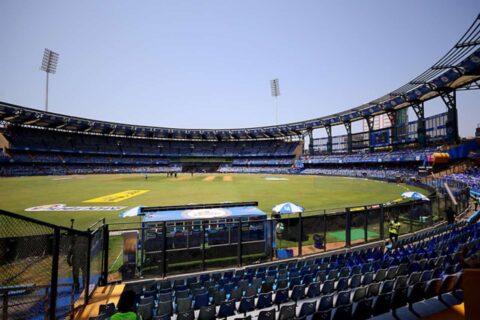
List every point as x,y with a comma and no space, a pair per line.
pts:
450,213
77,259
394,230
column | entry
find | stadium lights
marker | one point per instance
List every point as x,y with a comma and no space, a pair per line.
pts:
49,65
274,84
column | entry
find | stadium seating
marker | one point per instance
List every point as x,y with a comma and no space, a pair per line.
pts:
419,277
404,155
22,139
470,177
365,172
43,152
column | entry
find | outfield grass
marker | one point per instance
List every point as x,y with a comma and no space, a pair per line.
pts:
312,192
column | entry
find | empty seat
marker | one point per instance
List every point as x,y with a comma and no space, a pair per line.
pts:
264,300
298,292
343,298
400,282
381,304
391,273
181,294
415,294
295,281
355,281
322,315
342,284
426,275
399,299
184,304
373,289
287,312
333,274
201,300
380,275
165,307
328,287
308,308
325,303
236,294
247,304
219,296
266,287
227,309
281,296
207,313
145,310
313,290
266,315
362,309
432,288
186,315
359,294
387,286
367,278
448,285
342,312
165,296
282,283
413,278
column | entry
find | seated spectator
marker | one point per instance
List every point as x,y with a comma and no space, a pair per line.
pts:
126,307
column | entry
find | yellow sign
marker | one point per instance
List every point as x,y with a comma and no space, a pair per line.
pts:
117,197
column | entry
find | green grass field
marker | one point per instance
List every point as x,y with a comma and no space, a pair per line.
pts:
311,192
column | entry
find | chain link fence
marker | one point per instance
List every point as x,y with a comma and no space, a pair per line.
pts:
43,268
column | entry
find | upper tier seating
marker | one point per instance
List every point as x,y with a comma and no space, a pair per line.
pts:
64,142
405,155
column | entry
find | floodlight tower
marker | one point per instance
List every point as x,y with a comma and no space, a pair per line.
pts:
49,65
275,94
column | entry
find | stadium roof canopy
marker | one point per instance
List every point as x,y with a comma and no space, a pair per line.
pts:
458,69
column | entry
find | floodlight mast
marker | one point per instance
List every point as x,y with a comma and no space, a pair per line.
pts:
49,65
274,84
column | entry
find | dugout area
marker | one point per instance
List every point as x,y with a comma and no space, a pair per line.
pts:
184,238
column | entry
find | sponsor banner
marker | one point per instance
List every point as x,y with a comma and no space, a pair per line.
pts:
63,207
206,213
117,197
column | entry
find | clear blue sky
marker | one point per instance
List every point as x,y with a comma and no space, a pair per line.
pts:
208,64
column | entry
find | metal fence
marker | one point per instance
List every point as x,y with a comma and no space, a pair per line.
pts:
44,269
